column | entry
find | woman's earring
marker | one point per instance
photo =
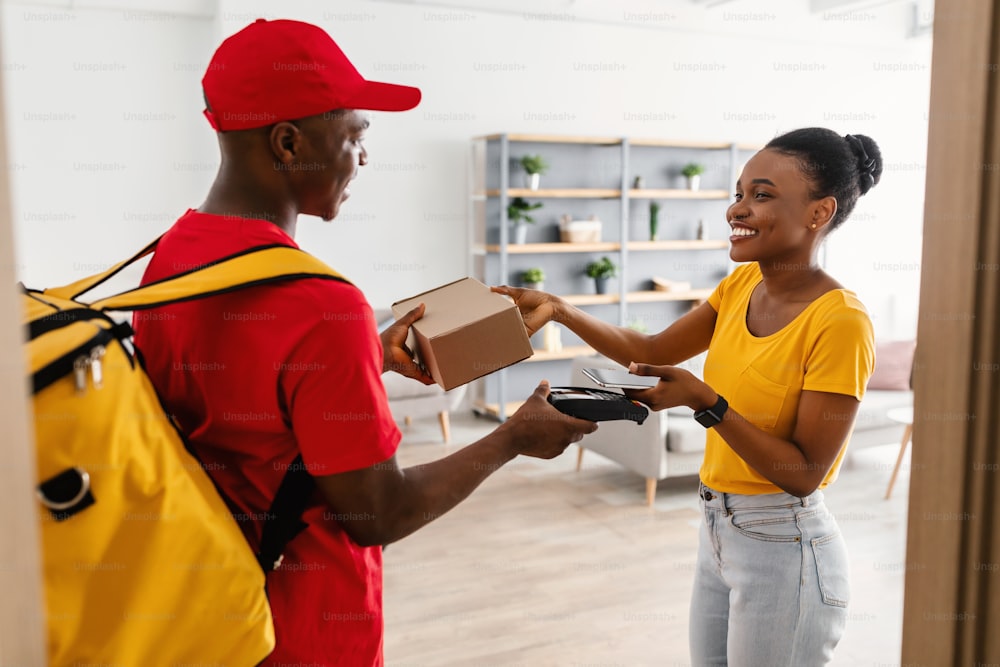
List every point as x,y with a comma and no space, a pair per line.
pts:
813,225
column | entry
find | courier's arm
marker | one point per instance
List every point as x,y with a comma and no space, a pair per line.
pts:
383,503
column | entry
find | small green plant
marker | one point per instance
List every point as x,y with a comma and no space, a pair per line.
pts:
534,164
517,210
654,219
603,268
533,276
693,169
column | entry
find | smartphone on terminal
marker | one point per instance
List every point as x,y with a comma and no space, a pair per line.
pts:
620,379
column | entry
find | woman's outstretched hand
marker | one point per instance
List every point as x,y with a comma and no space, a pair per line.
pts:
537,308
676,387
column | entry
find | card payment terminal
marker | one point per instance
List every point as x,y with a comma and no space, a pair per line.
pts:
596,405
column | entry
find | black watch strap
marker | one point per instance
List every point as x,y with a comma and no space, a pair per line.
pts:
713,415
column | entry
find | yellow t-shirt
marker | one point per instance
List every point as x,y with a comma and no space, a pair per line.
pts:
828,347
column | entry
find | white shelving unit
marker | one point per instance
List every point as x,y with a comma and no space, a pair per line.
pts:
596,176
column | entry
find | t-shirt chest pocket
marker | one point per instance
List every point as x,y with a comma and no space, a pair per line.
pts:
759,399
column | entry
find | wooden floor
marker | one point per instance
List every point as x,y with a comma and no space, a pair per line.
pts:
546,566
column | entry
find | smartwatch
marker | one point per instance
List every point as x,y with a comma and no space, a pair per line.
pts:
713,415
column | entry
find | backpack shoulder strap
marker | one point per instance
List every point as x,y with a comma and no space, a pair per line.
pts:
256,266
284,518
84,285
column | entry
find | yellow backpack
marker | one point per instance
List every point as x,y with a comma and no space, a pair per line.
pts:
144,564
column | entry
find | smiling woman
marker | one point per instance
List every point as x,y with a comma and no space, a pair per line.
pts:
791,350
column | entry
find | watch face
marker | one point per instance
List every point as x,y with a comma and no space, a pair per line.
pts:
712,416
707,419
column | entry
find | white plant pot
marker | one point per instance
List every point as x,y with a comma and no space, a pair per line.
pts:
537,286
533,181
694,182
520,232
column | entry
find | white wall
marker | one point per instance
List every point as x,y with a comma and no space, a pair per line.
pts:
404,229
107,145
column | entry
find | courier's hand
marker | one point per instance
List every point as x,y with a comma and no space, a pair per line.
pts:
539,430
676,387
396,356
537,308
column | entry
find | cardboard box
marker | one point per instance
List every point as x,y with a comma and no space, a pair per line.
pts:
466,332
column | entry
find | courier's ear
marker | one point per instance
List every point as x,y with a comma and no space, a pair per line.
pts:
285,139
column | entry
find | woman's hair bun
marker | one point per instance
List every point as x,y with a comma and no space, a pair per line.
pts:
869,159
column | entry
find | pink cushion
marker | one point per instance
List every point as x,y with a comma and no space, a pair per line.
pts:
893,364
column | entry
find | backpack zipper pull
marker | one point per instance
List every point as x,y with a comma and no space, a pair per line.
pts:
96,369
80,366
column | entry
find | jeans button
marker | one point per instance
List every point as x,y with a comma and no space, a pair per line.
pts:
706,494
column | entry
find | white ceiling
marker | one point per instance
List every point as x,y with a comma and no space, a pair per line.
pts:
872,21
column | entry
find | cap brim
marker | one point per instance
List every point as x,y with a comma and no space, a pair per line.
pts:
379,96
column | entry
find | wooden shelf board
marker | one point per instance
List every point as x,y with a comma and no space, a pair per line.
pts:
637,297
680,143
557,139
530,248
687,295
590,299
560,193
679,244
614,141
569,352
678,193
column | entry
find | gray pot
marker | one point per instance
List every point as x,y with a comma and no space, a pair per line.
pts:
520,232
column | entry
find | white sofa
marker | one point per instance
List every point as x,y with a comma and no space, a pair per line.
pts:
671,443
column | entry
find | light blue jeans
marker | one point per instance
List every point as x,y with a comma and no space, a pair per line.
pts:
771,585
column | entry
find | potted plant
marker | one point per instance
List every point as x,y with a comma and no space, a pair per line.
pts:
693,171
533,278
654,219
638,325
517,215
534,166
600,271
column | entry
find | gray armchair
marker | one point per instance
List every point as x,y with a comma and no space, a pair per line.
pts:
409,398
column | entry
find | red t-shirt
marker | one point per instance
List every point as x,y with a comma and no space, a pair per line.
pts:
255,377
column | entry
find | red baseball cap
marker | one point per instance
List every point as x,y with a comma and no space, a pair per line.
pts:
279,70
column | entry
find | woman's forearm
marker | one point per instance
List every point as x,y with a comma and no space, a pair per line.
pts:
618,343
